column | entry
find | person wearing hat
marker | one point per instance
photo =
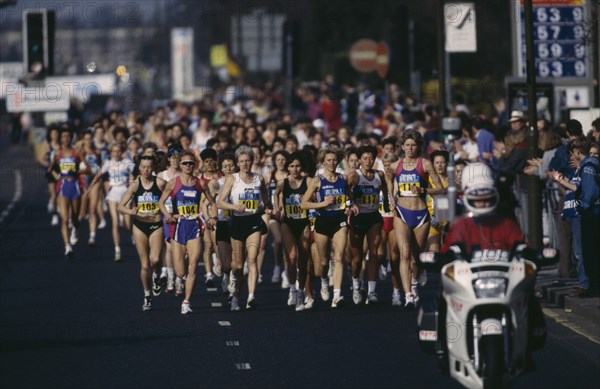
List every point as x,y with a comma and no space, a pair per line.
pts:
517,121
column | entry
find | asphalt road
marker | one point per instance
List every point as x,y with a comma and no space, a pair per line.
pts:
80,324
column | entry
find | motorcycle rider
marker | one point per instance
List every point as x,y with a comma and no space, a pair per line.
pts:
483,228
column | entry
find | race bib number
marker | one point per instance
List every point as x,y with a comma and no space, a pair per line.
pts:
339,203
295,212
404,188
292,208
188,211
250,205
148,207
67,167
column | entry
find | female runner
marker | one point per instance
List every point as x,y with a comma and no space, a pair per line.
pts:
145,192
411,224
333,204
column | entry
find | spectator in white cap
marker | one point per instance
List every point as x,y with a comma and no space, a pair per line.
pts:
320,125
517,121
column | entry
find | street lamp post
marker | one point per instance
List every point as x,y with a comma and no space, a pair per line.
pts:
534,195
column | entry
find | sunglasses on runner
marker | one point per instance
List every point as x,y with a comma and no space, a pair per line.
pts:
187,163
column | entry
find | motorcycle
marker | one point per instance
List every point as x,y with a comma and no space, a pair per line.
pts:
484,321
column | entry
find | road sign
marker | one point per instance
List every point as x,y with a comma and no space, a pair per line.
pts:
363,55
182,61
560,39
383,59
461,34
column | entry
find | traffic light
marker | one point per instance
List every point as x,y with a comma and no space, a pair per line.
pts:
38,42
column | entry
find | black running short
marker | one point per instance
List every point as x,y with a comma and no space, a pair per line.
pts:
148,228
362,223
297,226
329,225
222,232
241,227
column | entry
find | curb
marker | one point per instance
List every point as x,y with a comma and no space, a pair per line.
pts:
553,293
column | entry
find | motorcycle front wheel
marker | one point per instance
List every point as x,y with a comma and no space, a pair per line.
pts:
492,354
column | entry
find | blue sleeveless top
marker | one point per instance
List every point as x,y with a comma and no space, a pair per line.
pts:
336,189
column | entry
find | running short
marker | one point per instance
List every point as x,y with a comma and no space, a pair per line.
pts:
148,228
187,230
223,231
241,227
297,226
388,224
168,231
413,218
116,193
69,189
362,223
329,225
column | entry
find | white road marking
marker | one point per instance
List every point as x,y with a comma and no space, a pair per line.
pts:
225,324
16,196
216,304
243,366
232,343
211,289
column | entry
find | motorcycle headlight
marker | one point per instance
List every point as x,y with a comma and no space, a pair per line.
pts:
490,287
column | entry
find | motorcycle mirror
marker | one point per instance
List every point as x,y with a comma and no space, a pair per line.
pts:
549,256
429,260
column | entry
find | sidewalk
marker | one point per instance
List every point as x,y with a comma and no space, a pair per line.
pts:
582,315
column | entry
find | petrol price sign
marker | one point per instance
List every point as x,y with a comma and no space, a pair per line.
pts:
559,34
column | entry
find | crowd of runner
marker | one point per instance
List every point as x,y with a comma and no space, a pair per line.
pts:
338,203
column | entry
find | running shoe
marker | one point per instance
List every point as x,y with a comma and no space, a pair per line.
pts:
414,290
260,278
170,285
357,296
423,278
69,252
410,301
285,281
325,291
92,241
299,301
209,281
216,266
50,206
147,303
117,254
382,272
232,284
251,304
292,298
308,303
74,237
337,302
178,287
156,288
371,298
276,278
162,281
55,220
224,283
413,287
102,224
235,303
396,300
185,308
